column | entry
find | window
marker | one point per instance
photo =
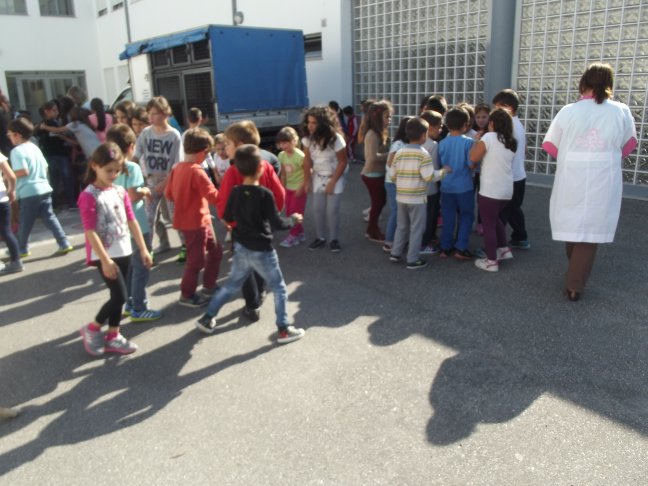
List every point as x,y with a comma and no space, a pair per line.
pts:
102,12
117,5
13,7
56,8
313,46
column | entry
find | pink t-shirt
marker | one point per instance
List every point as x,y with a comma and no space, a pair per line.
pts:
107,211
109,123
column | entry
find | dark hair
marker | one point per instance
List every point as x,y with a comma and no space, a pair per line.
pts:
161,104
480,107
327,126
22,126
348,110
103,155
335,106
401,133
247,159
126,107
140,114
4,103
81,115
194,115
197,140
598,77
507,97
416,128
434,118
122,135
48,105
97,106
66,104
437,103
456,119
469,109
503,126
287,134
243,132
375,119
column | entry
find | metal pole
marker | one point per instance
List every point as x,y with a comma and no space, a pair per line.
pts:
234,10
128,29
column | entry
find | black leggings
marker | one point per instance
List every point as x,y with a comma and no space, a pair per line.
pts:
112,310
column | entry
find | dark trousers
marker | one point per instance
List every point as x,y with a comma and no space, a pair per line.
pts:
494,229
512,213
581,260
203,252
112,310
378,195
431,219
6,233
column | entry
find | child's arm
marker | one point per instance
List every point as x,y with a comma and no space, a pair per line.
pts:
136,233
108,266
49,128
138,193
276,220
168,187
282,176
477,153
308,168
342,163
10,179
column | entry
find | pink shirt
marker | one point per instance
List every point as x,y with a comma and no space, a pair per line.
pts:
94,122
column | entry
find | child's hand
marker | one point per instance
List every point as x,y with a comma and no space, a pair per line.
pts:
297,218
159,188
146,193
330,187
300,192
109,269
447,169
147,260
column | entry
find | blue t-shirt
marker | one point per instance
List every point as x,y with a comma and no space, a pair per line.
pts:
28,156
135,179
453,151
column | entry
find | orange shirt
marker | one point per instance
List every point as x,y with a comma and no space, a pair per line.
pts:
191,191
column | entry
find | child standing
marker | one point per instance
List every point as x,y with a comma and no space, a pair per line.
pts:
132,180
33,191
429,244
191,191
412,171
456,189
109,222
221,160
512,213
253,210
7,196
325,156
292,177
495,150
139,120
480,126
99,119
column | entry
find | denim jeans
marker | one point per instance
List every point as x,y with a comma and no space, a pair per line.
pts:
390,188
451,204
62,177
6,233
33,207
138,277
245,261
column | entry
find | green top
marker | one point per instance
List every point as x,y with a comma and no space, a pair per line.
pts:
293,165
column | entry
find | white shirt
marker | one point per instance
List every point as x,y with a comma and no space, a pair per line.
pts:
325,163
3,189
496,180
518,163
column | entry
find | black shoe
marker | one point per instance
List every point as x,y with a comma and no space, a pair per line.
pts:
416,265
253,314
335,246
206,324
317,244
463,255
395,258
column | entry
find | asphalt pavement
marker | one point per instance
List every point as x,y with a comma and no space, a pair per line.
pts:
443,375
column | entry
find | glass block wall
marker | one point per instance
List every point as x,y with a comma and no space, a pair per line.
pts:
407,49
558,39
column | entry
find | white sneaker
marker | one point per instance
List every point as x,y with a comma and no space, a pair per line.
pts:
289,241
504,253
486,264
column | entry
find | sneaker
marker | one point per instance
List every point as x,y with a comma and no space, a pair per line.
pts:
252,314
289,334
486,264
429,250
128,310
395,259
195,301
93,341
463,255
289,241
25,254
445,253
120,345
145,315
387,247
302,238
416,265
520,244
208,292
376,236
479,253
65,251
182,255
12,267
318,244
335,246
504,253
206,324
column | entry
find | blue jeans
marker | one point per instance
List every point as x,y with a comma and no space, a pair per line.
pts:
138,277
390,187
5,231
464,204
33,207
266,264
62,177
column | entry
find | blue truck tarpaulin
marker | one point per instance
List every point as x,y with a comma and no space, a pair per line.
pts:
164,42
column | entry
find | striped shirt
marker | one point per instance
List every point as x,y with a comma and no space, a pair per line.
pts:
411,171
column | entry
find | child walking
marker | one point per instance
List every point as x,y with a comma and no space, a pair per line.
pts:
292,178
456,189
109,222
132,180
252,208
190,189
7,196
33,191
412,171
495,150
325,156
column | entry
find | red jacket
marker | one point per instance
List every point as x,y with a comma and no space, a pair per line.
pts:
190,189
233,178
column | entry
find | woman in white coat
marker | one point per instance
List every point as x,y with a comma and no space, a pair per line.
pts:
589,139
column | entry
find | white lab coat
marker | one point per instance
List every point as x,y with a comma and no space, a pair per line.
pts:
586,196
